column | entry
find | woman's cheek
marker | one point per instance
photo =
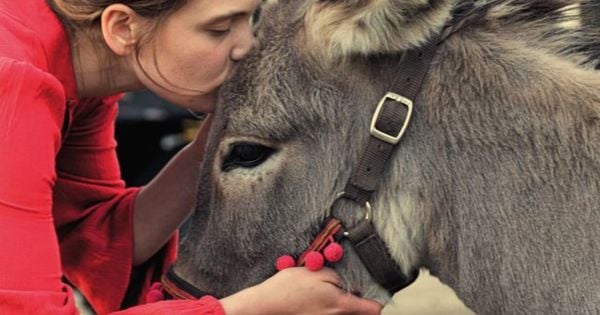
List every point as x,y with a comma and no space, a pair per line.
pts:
216,61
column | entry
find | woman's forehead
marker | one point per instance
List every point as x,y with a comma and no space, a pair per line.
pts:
209,11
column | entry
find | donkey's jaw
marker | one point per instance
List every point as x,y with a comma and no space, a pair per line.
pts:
357,280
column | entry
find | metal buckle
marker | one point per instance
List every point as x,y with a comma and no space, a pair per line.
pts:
367,207
391,139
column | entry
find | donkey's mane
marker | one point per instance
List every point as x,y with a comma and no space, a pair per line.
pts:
554,24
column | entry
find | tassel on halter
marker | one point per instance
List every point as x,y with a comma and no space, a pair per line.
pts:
155,293
324,247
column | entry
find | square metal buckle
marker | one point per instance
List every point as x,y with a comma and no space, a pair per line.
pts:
391,139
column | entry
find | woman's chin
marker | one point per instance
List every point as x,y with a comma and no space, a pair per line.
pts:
198,103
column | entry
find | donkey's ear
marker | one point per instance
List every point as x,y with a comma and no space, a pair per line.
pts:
342,28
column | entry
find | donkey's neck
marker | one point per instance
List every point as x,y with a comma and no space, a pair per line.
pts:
498,176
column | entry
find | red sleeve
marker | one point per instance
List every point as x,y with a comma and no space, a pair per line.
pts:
31,116
207,305
94,211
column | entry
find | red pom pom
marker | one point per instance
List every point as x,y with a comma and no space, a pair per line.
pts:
155,294
314,261
156,286
334,252
284,262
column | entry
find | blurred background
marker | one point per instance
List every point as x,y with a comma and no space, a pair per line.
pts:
149,131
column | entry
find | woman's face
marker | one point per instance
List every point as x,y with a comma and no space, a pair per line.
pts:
195,49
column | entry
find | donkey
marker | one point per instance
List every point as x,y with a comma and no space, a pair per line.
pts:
494,187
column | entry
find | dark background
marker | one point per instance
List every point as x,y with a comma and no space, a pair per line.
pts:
149,131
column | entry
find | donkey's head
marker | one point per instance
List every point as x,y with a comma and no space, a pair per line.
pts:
291,126
293,123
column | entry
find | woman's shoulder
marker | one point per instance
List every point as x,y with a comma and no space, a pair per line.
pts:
19,42
31,32
21,78
27,90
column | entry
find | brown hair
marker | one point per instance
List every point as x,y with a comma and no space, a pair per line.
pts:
79,14
83,17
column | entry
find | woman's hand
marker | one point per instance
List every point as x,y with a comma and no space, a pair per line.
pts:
299,291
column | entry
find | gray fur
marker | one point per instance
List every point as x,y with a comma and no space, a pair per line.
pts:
495,187
591,22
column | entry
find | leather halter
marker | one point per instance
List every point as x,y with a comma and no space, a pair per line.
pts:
174,287
388,125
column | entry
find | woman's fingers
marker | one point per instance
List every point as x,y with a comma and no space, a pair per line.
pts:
329,276
351,304
301,291
347,303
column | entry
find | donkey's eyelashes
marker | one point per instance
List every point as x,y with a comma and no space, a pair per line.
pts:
246,155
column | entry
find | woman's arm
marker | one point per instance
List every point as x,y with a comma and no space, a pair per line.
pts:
31,114
291,291
168,199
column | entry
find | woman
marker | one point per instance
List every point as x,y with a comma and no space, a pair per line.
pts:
64,212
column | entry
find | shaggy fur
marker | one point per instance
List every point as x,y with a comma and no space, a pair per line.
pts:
590,16
343,28
495,187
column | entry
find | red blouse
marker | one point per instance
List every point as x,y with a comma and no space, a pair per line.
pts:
64,210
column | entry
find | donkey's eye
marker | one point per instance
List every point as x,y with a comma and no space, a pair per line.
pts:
246,155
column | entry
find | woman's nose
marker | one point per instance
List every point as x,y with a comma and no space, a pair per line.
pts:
245,45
